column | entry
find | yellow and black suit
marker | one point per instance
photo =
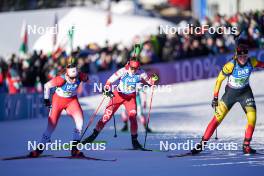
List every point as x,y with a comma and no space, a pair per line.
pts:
236,90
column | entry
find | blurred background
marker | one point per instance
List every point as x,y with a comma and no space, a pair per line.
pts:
37,36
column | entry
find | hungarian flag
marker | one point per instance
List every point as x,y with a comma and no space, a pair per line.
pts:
64,43
60,48
57,52
23,49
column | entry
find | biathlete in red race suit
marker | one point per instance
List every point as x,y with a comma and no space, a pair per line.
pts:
238,71
64,98
125,94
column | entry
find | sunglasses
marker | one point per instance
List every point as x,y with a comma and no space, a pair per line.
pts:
133,68
71,66
243,56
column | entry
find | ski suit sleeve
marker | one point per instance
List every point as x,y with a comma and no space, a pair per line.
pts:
55,82
226,71
257,64
144,76
114,77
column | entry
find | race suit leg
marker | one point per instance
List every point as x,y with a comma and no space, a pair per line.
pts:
247,102
131,109
225,104
75,111
140,110
58,104
124,115
111,108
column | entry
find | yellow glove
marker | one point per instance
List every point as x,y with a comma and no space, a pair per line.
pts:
155,77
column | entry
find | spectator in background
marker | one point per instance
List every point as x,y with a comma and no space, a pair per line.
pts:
27,75
13,80
2,77
147,54
3,71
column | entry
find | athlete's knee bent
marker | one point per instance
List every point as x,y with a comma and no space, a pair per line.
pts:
132,113
133,117
133,121
221,111
107,115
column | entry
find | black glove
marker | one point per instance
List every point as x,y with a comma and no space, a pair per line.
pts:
215,102
47,102
108,93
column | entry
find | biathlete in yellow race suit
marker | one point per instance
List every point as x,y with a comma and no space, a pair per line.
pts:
238,71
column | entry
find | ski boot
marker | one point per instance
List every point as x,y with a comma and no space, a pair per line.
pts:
136,145
125,127
74,151
91,138
35,153
248,150
199,148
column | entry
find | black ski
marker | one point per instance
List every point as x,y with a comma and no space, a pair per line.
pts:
24,157
84,158
181,155
252,154
145,150
192,154
259,153
139,149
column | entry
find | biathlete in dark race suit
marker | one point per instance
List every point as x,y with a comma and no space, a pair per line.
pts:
238,71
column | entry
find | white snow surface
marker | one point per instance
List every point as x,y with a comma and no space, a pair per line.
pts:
177,116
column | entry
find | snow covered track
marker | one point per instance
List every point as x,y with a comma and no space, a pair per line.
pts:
177,116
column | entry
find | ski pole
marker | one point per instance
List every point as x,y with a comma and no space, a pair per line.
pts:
92,117
216,137
115,135
150,106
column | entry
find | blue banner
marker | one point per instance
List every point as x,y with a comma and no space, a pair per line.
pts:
180,71
22,106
